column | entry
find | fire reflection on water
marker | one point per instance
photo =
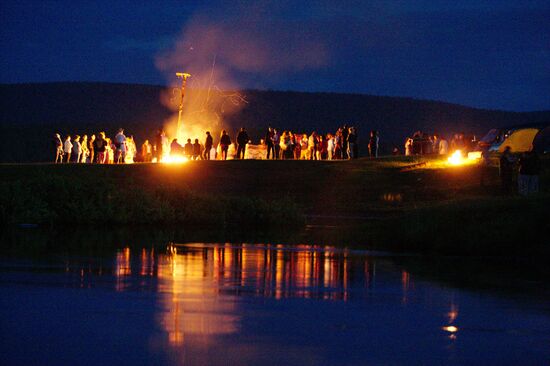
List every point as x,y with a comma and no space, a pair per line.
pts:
147,262
123,268
190,298
194,281
197,283
226,304
451,317
405,282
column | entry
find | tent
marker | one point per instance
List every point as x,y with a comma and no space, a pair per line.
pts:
541,143
520,140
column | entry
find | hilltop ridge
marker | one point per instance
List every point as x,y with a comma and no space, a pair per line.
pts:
32,112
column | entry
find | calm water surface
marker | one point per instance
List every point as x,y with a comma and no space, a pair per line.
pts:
255,304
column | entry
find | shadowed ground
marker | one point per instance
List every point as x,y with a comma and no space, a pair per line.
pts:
406,203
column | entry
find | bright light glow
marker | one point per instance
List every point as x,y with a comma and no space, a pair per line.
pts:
456,158
174,159
450,329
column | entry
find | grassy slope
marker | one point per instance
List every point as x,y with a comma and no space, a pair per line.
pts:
431,209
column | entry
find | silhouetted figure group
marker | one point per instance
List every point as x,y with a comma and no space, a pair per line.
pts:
425,144
528,169
99,150
288,145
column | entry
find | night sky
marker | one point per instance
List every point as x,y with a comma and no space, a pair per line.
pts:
483,53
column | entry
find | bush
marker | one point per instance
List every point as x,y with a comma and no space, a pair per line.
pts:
46,199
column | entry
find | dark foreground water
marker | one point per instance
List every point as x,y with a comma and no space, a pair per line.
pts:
255,304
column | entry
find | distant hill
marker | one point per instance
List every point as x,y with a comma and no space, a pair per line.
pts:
30,113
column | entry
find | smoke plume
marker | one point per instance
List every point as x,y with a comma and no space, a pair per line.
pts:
225,55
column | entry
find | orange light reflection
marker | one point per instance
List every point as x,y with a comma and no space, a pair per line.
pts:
194,279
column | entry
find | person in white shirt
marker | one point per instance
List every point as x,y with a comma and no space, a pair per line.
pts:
68,148
131,150
330,146
312,146
58,146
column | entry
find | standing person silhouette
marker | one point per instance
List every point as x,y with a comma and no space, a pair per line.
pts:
121,148
91,149
345,142
146,152
269,142
77,149
225,141
57,145
100,148
529,170
208,143
506,169
84,147
68,148
373,144
352,144
159,150
242,140
196,150
276,144
188,149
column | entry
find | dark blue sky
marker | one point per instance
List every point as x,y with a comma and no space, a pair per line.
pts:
483,53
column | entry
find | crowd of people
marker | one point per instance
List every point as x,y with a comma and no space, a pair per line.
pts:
95,149
422,144
331,146
100,149
342,144
286,145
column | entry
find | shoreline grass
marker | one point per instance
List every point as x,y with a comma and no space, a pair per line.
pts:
427,210
67,200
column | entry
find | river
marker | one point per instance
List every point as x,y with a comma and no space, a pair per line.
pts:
104,299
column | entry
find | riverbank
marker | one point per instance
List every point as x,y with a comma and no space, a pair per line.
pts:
382,204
